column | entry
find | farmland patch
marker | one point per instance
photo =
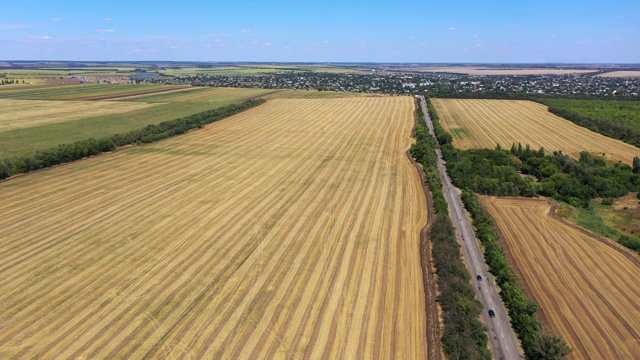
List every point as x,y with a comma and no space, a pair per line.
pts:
586,287
289,230
504,122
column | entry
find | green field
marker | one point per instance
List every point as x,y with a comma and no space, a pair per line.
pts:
27,140
75,92
200,94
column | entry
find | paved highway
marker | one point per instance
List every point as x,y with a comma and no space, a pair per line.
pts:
503,338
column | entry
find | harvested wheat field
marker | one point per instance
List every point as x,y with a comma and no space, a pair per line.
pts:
18,114
621,73
587,289
288,231
484,123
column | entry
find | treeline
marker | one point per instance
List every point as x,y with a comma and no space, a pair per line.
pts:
499,172
612,129
536,343
608,128
522,310
465,337
510,95
80,149
577,182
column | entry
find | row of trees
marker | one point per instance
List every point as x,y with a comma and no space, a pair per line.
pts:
608,128
465,337
537,344
80,149
560,105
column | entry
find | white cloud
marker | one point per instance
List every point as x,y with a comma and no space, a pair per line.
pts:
108,19
105,31
475,36
47,37
452,28
245,31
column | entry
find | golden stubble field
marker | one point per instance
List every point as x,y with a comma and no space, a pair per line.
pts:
288,231
480,123
621,73
587,290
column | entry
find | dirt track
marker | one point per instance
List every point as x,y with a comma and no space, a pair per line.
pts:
288,231
587,289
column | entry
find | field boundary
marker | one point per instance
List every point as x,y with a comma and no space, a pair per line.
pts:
67,153
626,252
429,275
552,212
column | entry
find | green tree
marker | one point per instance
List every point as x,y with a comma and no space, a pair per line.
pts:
636,165
548,346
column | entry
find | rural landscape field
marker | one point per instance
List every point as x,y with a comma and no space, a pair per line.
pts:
288,231
475,123
35,119
587,288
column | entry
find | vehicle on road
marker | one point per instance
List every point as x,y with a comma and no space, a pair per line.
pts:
479,277
492,313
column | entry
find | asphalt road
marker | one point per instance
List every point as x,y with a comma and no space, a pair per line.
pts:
503,338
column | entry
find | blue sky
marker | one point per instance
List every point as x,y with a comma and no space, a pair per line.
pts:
516,31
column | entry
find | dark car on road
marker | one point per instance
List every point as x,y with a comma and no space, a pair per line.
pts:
492,313
479,278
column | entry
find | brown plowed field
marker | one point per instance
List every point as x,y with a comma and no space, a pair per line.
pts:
587,288
484,123
288,231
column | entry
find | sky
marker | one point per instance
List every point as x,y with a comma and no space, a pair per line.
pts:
420,31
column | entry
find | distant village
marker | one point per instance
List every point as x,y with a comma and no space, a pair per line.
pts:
403,83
